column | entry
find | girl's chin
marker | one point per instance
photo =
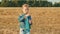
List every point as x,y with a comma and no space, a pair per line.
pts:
25,13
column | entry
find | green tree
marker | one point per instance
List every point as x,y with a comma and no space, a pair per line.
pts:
57,4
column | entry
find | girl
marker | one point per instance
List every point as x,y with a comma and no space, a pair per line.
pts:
25,20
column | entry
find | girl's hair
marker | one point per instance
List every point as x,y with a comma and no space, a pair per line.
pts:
25,5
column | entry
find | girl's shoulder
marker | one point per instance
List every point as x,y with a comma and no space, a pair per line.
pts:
29,14
21,14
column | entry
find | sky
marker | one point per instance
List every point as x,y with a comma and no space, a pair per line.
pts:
53,1
0,0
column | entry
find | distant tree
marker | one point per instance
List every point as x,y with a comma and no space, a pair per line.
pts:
57,5
31,3
45,4
11,4
36,4
20,3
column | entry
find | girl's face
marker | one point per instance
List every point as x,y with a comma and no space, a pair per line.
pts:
25,10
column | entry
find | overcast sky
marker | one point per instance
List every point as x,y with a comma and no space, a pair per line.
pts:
53,1
0,0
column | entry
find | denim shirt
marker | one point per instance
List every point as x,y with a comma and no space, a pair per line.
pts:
24,22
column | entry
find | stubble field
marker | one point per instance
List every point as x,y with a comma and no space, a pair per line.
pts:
45,20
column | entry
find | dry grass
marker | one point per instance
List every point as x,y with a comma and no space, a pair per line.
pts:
45,20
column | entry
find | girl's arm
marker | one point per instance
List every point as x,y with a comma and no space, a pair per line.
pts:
30,20
21,18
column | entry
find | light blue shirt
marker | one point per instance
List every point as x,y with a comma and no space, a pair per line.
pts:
24,22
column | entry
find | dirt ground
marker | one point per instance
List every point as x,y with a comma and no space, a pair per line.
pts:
45,20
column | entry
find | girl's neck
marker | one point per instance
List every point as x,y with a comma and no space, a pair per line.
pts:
26,13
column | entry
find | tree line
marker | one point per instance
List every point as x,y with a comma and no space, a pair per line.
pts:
31,4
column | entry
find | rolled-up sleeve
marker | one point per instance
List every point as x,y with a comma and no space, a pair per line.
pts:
29,18
21,18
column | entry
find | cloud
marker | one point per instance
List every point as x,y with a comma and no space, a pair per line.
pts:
53,1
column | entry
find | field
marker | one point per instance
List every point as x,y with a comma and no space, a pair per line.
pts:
45,20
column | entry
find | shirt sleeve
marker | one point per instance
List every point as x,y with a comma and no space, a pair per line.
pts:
31,23
29,18
20,18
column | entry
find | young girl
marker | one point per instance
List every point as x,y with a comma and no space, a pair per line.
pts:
25,20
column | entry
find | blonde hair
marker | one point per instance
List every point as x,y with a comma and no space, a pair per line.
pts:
25,5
